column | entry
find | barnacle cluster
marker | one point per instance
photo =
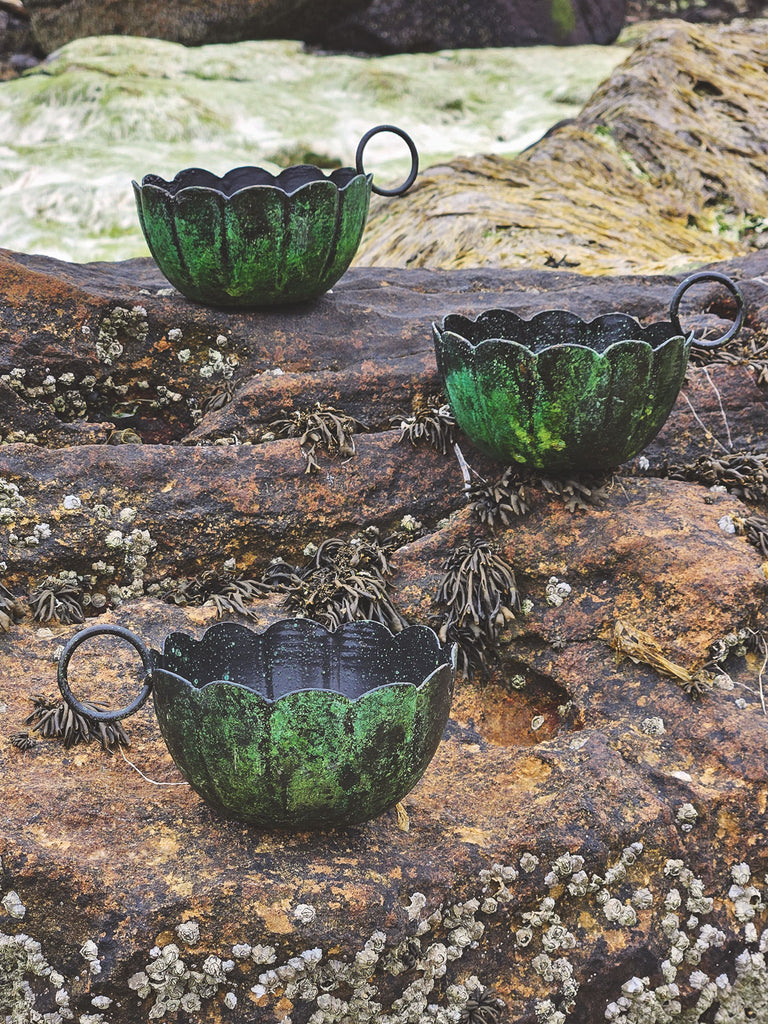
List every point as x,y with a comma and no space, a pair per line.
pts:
341,581
54,719
119,326
431,422
226,591
577,494
11,610
321,427
480,595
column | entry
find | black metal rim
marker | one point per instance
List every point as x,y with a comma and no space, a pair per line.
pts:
401,189
709,275
106,630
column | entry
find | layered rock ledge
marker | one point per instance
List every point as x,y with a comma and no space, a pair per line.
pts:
589,841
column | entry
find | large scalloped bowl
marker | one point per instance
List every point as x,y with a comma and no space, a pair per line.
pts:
251,238
299,727
556,392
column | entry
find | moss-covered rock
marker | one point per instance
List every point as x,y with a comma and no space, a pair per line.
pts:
664,169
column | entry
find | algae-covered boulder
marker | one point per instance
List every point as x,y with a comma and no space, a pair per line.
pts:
664,168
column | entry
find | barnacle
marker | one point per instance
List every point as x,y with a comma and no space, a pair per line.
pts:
482,1007
341,582
319,427
57,720
11,610
59,599
480,593
226,591
431,421
22,740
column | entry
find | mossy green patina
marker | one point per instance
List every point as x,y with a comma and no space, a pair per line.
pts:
261,244
300,727
557,393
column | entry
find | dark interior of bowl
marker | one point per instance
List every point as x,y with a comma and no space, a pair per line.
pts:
558,327
297,654
289,180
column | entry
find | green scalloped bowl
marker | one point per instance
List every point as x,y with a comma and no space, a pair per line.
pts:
300,727
558,393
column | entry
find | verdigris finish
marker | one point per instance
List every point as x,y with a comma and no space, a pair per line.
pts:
297,727
251,238
562,394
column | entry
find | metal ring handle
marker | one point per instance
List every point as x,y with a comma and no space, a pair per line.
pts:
134,641
709,275
401,189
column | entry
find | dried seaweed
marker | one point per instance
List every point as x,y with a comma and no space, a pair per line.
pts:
482,1007
226,591
641,648
744,474
220,398
480,593
11,610
342,581
586,492
499,501
431,422
750,350
22,740
321,427
57,720
57,599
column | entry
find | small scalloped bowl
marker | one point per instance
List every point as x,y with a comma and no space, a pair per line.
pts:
251,238
563,394
297,727
556,392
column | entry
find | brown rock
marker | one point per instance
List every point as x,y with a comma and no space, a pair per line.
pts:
585,824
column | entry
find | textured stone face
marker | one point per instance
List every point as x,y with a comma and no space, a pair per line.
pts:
589,840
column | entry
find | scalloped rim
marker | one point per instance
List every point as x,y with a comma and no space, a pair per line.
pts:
444,332
351,627
160,184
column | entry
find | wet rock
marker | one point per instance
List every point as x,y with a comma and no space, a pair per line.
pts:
394,26
215,21
601,831
663,168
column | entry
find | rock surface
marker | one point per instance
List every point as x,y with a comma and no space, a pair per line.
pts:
589,842
382,26
394,26
56,22
676,132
